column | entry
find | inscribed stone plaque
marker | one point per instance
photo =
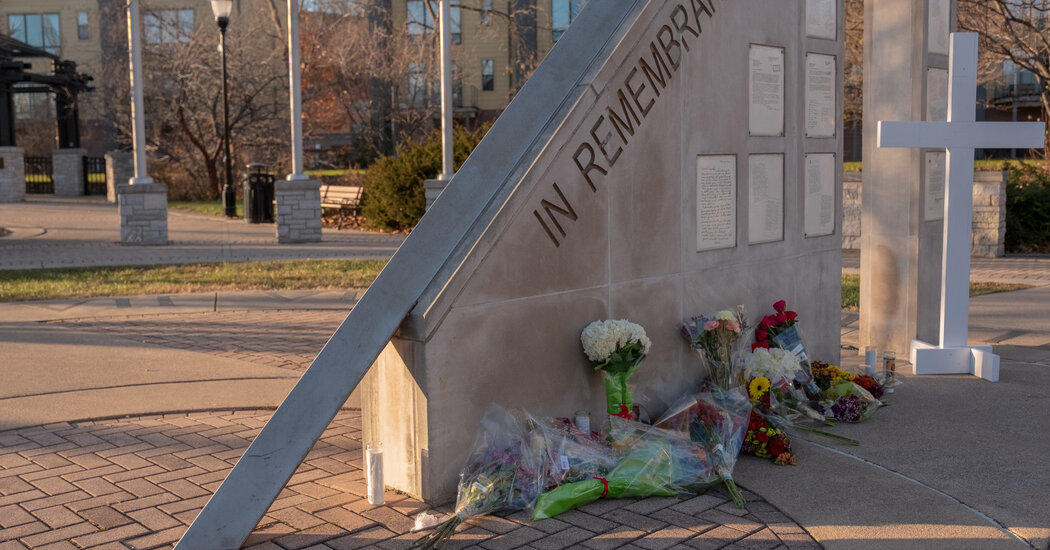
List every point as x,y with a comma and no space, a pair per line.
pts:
765,191
938,26
937,95
766,91
715,202
821,19
934,190
820,95
820,194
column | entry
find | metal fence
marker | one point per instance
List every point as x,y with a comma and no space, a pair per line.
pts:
94,175
40,175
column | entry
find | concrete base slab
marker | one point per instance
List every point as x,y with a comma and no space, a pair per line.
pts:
950,462
976,360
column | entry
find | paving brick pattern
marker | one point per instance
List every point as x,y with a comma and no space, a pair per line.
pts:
137,483
286,339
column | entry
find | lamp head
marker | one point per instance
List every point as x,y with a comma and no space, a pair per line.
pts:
222,9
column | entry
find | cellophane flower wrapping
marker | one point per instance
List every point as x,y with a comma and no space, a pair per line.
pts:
568,455
721,341
848,402
502,472
616,348
716,420
650,462
845,396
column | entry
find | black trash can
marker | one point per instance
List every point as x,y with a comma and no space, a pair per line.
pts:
258,194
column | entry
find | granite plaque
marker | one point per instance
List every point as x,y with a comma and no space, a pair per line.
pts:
934,190
715,202
766,91
765,189
820,194
820,95
939,26
937,95
821,19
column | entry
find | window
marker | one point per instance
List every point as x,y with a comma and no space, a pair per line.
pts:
82,26
35,29
167,26
486,12
488,75
417,84
563,12
421,19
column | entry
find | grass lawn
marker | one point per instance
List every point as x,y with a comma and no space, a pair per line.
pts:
851,290
84,282
211,208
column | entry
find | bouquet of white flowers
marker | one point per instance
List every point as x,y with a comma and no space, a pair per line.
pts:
616,348
774,363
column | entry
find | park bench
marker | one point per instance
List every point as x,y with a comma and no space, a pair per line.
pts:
346,199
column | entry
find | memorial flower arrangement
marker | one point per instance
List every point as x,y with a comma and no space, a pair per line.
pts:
845,396
616,348
719,341
773,364
772,325
766,441
501,473
715,420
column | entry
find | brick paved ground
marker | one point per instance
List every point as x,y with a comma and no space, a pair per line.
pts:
138,483
287,339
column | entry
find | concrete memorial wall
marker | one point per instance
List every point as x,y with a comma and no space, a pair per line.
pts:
693,166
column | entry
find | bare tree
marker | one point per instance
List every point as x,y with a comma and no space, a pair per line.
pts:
1014,31
183,94
383,81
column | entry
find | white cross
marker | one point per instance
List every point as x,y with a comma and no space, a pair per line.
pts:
960,136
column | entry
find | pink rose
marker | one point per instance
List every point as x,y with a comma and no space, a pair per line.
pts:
711,325
733,326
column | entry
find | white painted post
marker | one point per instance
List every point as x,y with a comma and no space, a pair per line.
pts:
295,93
138,117
447,166
960,136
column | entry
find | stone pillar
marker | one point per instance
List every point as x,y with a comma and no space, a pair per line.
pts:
298,211
68,166
12,174
851,190
433,190
989,214
143,213
905,78
120,168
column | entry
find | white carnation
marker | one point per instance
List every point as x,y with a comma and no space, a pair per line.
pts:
774,363
601,338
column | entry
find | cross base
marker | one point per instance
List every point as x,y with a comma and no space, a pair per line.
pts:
976,360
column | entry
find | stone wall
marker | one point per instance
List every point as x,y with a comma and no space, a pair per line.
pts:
989,213
12,174
298,211
68,166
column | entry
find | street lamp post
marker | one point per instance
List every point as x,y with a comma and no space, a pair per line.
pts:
221,9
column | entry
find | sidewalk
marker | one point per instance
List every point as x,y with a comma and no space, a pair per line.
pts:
85,231
120,416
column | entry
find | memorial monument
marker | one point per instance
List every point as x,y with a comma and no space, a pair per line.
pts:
667,158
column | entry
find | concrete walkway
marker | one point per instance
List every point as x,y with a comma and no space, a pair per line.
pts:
120,416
